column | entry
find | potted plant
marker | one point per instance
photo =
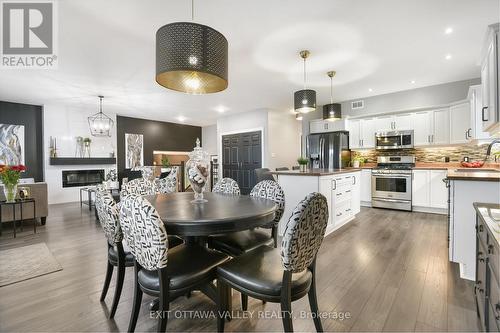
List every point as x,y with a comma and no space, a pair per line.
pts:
86,143
357,160
165,162
302,163
10,177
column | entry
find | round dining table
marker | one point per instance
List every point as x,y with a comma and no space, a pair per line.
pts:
220,214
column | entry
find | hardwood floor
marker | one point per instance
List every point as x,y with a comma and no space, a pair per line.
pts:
385,271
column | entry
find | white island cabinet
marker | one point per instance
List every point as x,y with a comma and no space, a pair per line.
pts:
340,187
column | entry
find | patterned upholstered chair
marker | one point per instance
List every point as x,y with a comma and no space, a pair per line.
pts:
139,186
281,275
226,186
168,184
160,271
108,212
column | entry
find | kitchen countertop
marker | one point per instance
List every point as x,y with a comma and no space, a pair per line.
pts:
315,172
490,214
473,175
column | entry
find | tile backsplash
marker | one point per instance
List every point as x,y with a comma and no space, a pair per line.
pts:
434,154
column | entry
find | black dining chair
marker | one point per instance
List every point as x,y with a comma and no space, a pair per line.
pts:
240,242
226,186
280,275
159,271
263,174
296,167
282,169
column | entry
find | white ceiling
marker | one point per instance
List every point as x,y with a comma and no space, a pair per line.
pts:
108,47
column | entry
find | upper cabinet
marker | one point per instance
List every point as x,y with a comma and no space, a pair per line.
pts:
322,126
362,133
476,122
431,127
460,123
440,127
489,81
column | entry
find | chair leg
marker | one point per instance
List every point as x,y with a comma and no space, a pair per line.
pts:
286,301
244,302
223,293
137,301
164,300
107,280
118,287
313,303
274,235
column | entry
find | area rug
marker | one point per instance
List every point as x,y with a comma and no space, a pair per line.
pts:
26,262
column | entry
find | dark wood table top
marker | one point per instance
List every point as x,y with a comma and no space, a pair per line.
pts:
219,215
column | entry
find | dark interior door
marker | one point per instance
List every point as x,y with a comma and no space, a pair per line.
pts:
241,155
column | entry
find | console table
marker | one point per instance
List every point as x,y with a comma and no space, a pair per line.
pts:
19,202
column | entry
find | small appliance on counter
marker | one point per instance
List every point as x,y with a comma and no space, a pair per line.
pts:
328,150
393,139
391,182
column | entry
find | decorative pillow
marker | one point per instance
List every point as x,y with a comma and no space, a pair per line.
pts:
304,233
270,189
226,186
144,232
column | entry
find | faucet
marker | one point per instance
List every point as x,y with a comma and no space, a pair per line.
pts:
488,151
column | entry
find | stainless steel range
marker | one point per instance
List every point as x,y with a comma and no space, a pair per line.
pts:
391,182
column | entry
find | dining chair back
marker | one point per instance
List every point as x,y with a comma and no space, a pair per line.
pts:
296,167
144,232
109,215
270,189
226,186
304,233
139,186
282,169
263,174
168,184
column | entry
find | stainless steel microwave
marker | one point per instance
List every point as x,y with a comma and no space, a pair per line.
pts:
394,139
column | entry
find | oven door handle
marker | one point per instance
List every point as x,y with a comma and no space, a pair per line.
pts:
391,200
394,175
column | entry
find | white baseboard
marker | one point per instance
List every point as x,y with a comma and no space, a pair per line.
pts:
332,227
464,274
366,203
441,211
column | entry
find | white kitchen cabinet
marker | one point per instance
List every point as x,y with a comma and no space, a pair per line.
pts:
420,188
440,127
475,100
438,190
384,123
322,126
489,80
403,121
422,128
460,122
354,127
336,125
368,129
366,187
356,193
325,188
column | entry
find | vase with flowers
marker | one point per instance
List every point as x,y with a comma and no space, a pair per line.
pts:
10,174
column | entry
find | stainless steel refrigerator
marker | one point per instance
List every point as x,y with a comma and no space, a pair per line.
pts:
328,150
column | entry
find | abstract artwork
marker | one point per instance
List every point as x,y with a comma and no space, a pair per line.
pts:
133,151
11,144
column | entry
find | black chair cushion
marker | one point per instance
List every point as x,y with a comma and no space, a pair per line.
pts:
187,265
113,257
237,243
260,271
174,241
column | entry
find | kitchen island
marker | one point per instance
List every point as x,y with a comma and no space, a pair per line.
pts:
465,188
341,187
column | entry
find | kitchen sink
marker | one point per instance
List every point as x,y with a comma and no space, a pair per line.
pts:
477,170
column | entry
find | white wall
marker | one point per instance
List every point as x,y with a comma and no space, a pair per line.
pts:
209,139
284,139
66,123
244,122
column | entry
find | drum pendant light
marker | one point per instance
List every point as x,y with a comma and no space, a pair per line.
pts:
100,124
304,100
331,111
191,57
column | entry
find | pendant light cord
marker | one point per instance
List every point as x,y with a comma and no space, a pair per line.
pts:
100,104
331,90
304,73
192,10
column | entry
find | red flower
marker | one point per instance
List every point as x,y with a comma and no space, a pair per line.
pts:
14,168
21,167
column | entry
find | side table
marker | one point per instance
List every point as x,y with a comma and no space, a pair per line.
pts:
88,202
21,203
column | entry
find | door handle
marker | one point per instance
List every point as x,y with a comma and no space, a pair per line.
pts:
468,132
428,138
466,135
482,113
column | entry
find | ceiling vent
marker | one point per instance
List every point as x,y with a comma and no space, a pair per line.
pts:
357,105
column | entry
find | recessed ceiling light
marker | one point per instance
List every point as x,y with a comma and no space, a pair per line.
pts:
412,81
448,30
448,57
181,118
221,109
370,89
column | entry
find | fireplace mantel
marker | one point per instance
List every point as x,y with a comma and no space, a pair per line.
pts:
82,160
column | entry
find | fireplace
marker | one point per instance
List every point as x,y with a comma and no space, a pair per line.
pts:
75,178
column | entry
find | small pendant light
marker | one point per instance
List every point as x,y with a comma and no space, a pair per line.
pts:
298,116
331,111
191,57
100,124
305,99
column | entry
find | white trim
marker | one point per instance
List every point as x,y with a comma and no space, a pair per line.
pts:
441,211
167,152
246,130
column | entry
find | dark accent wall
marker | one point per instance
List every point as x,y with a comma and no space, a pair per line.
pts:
31,116
157,135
